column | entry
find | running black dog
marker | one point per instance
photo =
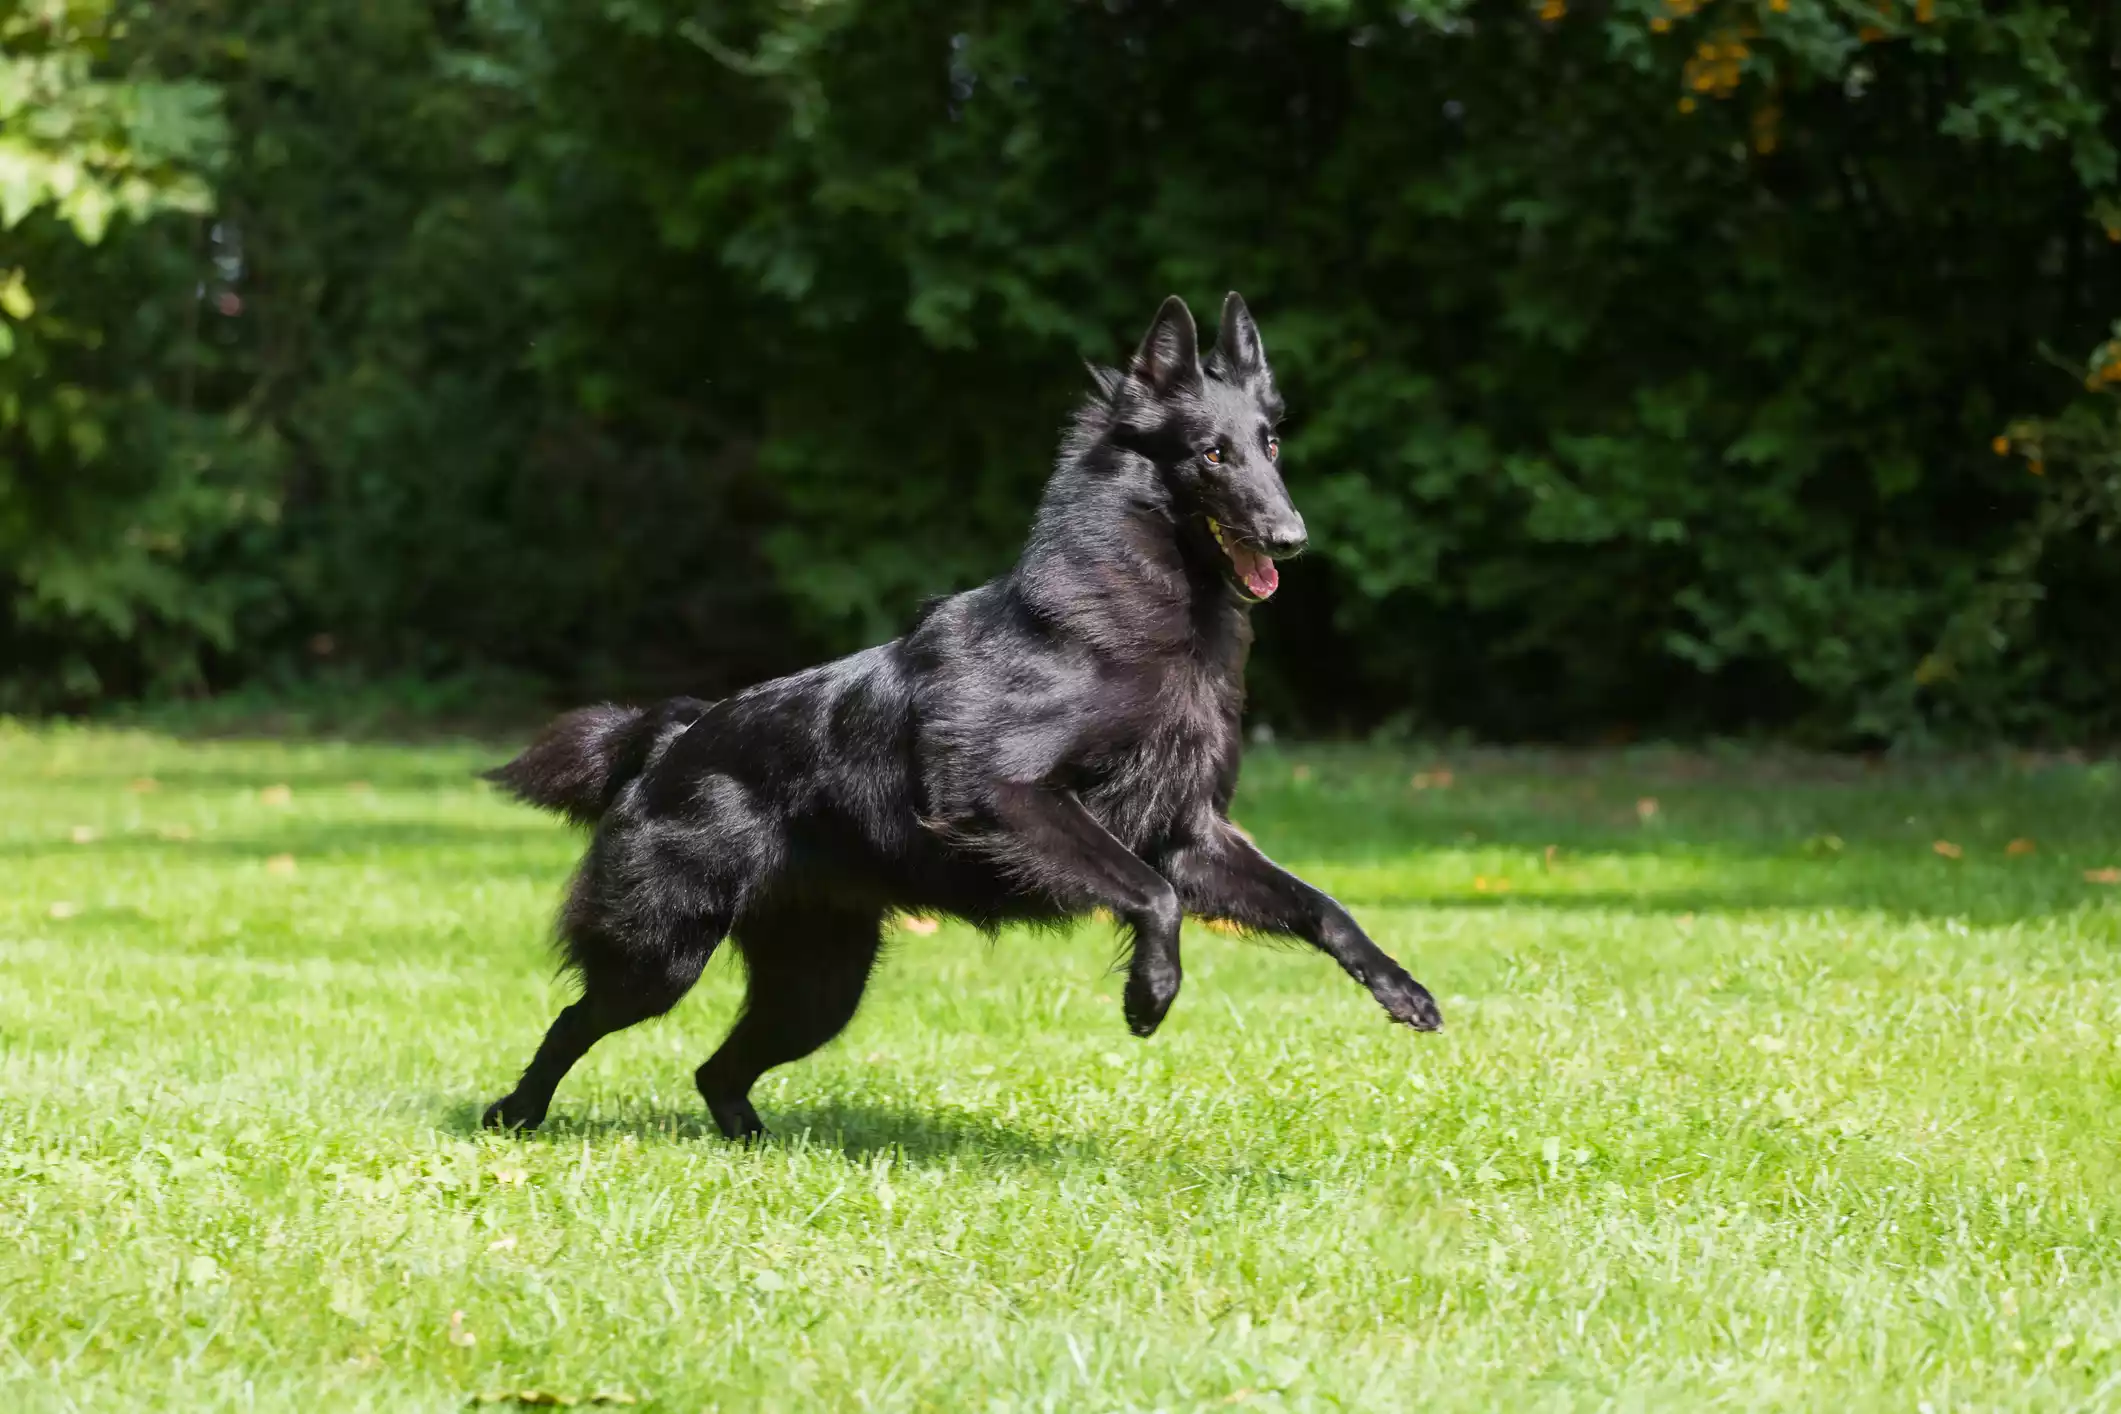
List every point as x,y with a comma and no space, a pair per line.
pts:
1062,739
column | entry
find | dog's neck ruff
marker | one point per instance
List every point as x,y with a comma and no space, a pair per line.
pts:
1105,565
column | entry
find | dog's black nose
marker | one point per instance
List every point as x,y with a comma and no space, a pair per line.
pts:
1285,538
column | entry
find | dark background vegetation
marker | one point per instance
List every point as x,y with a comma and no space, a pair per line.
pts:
1657,366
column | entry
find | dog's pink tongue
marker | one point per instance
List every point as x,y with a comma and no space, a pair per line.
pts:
1256,570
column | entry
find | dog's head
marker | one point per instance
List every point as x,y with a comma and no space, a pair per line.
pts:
1209,425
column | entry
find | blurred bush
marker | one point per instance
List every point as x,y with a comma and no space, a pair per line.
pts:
1649,359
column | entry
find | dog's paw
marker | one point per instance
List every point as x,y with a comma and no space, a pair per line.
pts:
1151,988
1407,1002
737,1120
506,1113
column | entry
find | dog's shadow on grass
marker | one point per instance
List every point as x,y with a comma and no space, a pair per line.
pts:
858,1131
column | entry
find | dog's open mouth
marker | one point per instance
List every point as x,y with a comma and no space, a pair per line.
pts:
1254,572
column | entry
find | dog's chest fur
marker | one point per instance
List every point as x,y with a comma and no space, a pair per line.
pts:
1178,760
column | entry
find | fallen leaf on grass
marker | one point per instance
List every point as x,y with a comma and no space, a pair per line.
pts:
143,784
82,834
2016,848
276,795
360,788
504,1243
507,1177
1483,884
1947,849
64,908
457,1334
917,925
1646,809
280,864
2102,876
1432,780
1301,773
1553,851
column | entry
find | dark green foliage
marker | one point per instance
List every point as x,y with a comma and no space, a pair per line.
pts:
1645,358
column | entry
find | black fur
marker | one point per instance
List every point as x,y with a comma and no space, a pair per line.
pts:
1062,739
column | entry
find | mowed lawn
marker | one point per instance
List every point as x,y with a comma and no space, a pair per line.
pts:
1767,1083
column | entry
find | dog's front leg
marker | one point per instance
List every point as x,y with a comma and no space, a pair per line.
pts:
1223,875
1053,843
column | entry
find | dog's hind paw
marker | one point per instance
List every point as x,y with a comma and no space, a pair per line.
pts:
1407,1002
737,1120
504,1114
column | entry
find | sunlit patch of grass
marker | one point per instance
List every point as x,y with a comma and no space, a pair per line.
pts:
1747,1096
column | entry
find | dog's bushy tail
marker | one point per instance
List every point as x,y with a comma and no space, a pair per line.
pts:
579,763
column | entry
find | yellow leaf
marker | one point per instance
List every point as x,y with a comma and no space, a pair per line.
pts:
15,297
2017,848
1947,849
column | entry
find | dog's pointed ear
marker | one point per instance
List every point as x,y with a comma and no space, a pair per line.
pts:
1237,340
1169,357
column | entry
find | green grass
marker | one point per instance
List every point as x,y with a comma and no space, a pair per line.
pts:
1751,1099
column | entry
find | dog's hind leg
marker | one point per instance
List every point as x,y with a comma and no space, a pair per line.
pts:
808,967
618,989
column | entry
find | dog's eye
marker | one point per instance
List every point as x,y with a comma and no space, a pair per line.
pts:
1213,456
1273,448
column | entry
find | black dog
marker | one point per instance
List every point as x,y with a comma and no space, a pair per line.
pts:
1062,739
